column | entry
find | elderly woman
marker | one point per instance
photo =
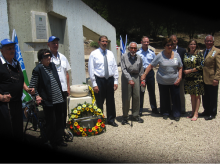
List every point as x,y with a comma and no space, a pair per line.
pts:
193,65
169,75
47,86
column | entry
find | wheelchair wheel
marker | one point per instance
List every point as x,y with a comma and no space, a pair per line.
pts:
68,136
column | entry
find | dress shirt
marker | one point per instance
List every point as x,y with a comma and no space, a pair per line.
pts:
147,56
205,54
62,66
131,65
175,50
96,65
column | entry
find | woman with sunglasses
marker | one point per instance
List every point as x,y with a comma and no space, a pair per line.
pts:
49,93
169,75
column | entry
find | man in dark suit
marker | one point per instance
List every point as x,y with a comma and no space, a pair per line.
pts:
211,77
181,52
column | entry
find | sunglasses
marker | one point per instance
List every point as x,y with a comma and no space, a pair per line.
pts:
168,45
46,56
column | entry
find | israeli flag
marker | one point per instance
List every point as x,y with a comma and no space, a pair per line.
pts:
122,45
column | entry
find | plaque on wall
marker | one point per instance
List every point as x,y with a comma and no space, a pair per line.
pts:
39,26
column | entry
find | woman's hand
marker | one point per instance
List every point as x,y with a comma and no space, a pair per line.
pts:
5,98
38,99
143,77
177,82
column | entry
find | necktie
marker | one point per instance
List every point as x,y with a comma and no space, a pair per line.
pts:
206,53
105,65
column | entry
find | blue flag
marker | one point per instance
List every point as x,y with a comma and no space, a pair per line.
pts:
122,45
26,97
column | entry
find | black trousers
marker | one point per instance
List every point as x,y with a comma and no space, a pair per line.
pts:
165,105
11,122
210,99
64,108
54,122
106,92
150,83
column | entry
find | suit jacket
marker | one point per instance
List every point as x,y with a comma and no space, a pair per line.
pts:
211,69
181,52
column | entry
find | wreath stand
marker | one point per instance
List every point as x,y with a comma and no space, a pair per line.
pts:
85,119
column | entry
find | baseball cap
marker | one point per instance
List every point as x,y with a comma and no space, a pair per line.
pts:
5,42
52,38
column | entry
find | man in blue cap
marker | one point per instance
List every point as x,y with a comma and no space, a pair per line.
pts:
11,89
63,67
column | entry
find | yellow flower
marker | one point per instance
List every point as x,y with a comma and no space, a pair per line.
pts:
92,110
87,109
76,116
84,105
84,134
72,116
70,119
79,108
99,110
75,111
93,129
75,123
100,129
94,107
98,124
78,112
81,129
90,106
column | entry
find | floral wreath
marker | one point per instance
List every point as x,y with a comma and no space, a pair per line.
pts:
76,113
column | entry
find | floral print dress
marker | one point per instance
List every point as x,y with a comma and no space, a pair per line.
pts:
194,81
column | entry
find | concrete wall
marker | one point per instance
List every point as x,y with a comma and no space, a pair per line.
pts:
65,19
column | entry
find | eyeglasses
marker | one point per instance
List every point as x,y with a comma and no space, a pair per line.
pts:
133,48
104,41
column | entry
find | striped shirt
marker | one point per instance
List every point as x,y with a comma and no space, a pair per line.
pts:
56,92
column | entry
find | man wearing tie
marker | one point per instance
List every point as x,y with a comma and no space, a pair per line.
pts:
211,77
103,72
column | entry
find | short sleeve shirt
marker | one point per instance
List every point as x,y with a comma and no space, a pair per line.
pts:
168,72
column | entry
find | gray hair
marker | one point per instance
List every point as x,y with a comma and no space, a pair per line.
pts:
173,36
209,35
131,43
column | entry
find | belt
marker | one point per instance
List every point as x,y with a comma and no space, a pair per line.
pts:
103,77
134,73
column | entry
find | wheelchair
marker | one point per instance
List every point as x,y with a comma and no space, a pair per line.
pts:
36,118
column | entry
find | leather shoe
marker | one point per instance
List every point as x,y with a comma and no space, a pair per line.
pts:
140,113
203,114
209,117
155,111
138,119
176,118
124,122
113,124
165,117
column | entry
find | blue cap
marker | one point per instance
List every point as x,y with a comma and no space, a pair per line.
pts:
5,42
52,38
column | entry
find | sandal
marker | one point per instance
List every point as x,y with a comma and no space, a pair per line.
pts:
194,118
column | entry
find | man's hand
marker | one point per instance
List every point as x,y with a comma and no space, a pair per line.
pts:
38,100
187,71
177,82
68,91
6,98
115,87
143,77
131,82
215,82
96,89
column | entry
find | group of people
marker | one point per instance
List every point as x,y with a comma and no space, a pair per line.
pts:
180,71
49,84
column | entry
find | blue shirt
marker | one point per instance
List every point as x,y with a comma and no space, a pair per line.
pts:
147,56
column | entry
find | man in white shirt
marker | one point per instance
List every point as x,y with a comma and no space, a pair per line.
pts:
63,67
104,78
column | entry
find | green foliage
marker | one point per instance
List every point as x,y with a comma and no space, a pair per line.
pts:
94,44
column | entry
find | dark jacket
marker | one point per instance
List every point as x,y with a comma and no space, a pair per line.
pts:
44,83
181,52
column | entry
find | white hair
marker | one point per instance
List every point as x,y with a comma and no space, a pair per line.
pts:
209,35
131,43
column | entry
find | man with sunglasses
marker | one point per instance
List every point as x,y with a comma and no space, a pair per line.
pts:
11,90
63,67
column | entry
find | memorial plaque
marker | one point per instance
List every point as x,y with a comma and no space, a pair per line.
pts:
41,28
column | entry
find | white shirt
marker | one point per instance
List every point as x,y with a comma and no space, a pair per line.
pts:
96,65
62,66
